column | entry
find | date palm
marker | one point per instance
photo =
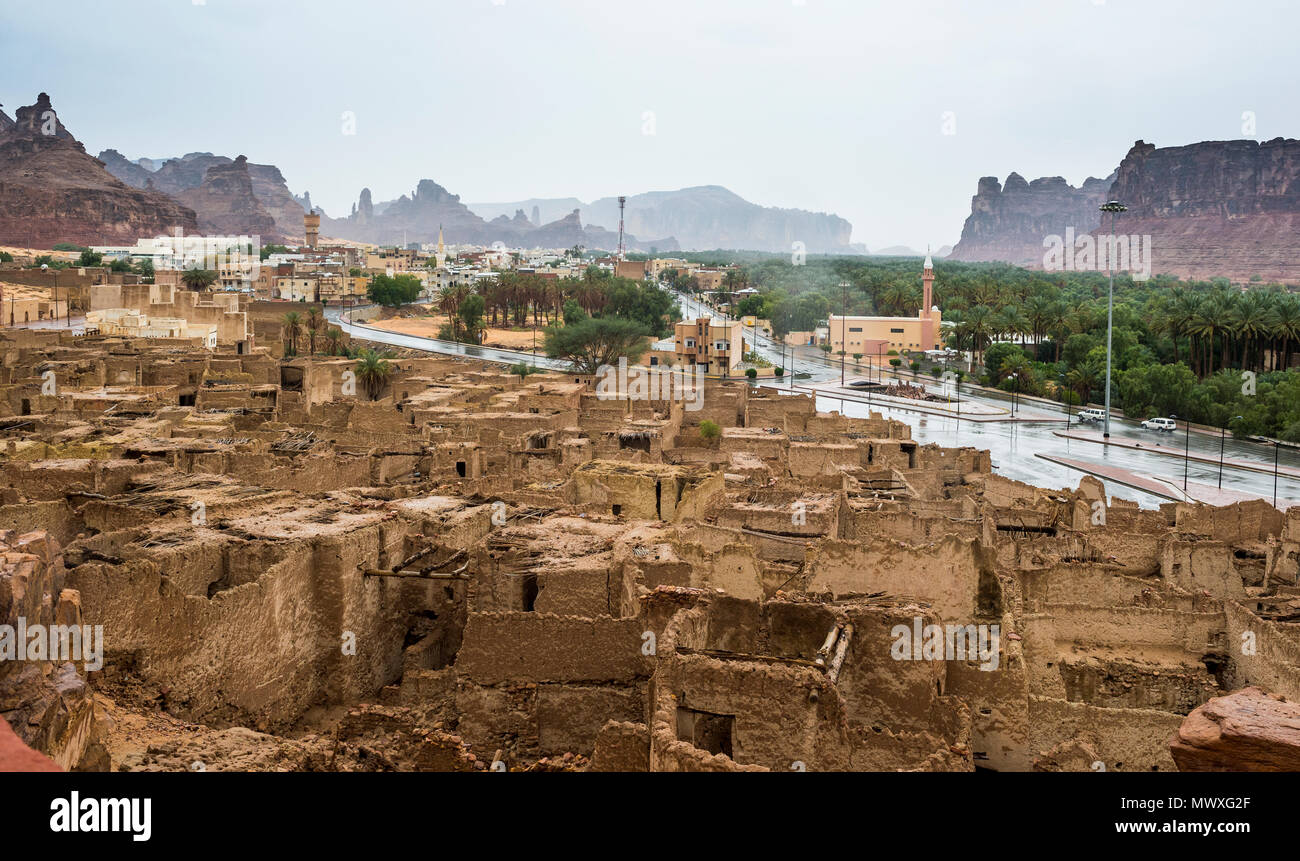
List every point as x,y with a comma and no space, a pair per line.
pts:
374,371
291,327
311,324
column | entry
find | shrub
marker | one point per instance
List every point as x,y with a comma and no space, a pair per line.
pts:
751,373
709,430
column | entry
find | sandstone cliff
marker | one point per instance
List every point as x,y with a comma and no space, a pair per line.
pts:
1217,208
1009,222
225,203
177,176
52,190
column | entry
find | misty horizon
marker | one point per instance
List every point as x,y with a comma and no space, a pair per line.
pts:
879,115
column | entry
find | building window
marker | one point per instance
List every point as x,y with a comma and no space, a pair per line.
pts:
896,331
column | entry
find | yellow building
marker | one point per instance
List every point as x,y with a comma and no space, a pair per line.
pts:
865,334
713,346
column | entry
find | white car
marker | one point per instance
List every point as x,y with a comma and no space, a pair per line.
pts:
1160,424
1091,415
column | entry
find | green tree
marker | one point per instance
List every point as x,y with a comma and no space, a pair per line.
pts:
595,341
471,317
374,371
291,327
198,279
394,291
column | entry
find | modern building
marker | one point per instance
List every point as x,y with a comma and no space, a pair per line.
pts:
864,334
711,345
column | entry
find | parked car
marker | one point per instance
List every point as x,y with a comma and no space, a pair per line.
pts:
1160,424
1091,415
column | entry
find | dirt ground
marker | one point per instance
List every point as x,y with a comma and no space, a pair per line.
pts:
427,327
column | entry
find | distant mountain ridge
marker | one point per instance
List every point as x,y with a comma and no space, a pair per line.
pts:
419,216
702,218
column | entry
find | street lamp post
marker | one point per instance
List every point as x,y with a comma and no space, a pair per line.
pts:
844,322
1114,207
1187,446
1223,431
1276,445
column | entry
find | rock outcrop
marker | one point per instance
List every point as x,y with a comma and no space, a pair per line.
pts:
1008,222
15,755
1247,730
1217,208
130,172
419,216
225,203
44,697
52,190
177,176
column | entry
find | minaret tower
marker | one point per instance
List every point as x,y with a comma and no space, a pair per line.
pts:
441,256
927,285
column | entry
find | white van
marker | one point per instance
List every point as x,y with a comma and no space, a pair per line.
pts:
1160,424
1091,415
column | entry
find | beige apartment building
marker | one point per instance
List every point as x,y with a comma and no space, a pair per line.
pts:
713,346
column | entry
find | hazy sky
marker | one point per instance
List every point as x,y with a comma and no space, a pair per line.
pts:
828,105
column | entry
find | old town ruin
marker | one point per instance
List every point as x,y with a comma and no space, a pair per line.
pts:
474,570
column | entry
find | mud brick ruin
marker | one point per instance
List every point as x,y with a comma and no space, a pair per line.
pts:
477,571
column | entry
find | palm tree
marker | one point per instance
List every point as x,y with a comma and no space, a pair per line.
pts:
198,279
373,370
292,325
1286,328
1083,380
979,328
312,323
333,337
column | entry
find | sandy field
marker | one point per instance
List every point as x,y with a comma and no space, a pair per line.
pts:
427,327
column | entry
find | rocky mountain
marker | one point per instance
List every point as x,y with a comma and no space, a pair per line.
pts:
702,218
176,176
418,216
1009,222
225,203
130,172
1216,208
546,209
52,190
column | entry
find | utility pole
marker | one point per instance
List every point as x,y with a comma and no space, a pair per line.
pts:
844,322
